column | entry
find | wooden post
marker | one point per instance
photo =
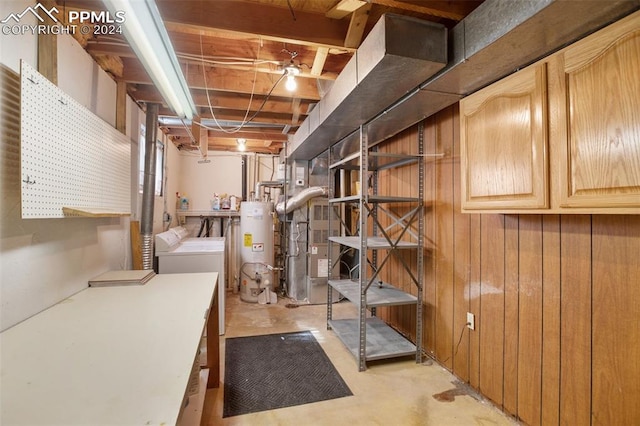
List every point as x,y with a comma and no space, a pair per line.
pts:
136,245
201,136
48,49
121,106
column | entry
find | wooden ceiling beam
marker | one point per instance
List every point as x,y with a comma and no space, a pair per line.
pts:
225,80
112,48
243,82
237,116
344,8
264,20
238,49
230,54
222,100
272,149
297,112
319,61
231,141
248,134
357,24
176,27
111,64
441,12
221,145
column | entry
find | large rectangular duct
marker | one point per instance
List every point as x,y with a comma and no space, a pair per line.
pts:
399,53
495,40
502,36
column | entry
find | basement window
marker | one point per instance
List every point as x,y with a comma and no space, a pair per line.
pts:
159,163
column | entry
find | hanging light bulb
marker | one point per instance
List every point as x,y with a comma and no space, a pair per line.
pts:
242,144
291,84
291,71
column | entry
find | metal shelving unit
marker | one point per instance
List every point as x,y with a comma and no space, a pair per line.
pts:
367,336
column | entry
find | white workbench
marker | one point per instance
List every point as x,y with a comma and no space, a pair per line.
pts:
110,355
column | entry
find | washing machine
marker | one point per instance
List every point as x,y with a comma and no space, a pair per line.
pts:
179,253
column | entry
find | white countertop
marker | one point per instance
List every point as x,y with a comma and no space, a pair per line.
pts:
107,355
209,213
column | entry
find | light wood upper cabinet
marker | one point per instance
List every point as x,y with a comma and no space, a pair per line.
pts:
504,143
560,136
600,145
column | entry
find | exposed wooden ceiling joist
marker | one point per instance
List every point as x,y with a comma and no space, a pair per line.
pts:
225,80
224,53
258,19
319,61
256,134
243,46
224,100
344,8
239,116
356,26
441,9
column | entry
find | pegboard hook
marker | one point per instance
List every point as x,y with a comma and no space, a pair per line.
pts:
28,181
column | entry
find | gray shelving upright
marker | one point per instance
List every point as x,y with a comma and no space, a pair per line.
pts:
367,336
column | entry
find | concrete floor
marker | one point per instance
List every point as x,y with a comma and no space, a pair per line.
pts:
391,392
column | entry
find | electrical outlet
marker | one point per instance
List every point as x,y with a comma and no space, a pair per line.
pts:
471,321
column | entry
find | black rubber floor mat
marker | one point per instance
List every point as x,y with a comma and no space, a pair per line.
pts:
277,370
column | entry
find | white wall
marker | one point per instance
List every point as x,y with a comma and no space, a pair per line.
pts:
43,261
173,171
222,174
94,89
199,181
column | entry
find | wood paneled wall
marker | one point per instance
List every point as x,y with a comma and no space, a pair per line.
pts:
556,298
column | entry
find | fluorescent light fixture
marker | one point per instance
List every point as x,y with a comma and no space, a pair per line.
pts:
144,30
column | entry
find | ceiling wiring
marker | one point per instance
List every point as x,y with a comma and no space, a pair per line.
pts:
258,111
245,121
229,61
293,14
214,60
188,129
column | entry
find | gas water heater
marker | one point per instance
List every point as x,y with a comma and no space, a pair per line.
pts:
256,264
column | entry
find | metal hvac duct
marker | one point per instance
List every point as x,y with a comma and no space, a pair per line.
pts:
149,186
496,39
300,199
399,53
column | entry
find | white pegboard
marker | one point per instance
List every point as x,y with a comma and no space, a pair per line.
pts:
70,157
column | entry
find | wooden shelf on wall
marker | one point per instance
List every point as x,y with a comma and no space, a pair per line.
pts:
92,212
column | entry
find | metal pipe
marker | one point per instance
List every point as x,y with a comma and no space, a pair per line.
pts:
298,200
149,186
244,178
256,172
267,183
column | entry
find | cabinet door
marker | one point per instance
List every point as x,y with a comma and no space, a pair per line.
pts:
503,144
601,143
